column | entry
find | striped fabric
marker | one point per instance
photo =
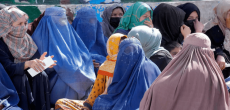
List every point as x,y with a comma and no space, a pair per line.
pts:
20,44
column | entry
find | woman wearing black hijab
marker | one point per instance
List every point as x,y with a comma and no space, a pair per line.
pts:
192,16
169,20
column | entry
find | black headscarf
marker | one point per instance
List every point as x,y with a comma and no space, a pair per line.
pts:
168,19
188,8
106,16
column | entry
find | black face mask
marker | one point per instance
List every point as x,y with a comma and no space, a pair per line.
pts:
114,21
190,24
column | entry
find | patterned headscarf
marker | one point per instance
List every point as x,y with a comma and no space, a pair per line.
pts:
107,68
20,44
219,18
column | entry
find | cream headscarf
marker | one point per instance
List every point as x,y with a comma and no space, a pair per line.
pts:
219,18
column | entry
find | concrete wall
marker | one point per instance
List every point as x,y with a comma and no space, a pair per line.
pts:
206,7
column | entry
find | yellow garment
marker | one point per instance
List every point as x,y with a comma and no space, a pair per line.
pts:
106,69
66,104
105,73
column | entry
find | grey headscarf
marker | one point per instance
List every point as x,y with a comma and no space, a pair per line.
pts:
107,28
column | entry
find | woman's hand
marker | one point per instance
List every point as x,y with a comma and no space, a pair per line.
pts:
43,57
198,26
96,65
37,64
149,23
185,30
1,106
220,61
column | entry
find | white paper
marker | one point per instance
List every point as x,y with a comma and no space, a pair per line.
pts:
48,62
227,65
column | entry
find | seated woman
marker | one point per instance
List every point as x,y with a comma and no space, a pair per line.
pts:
104,77
192,17
150,39
138,14
8,93
133,75
90,31
170,23
73,76
191,81
173,48
218,30
111,18
18,53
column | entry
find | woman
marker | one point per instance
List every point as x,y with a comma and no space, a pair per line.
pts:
89,30
104,77
192,17
32,26
133,75
18,53
191,81
74,74
138,14
173,47
111,17
170,23
150,39
7,92
218,30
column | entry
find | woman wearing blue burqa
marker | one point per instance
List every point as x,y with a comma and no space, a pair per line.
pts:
73,75
8,94
90,31
133,75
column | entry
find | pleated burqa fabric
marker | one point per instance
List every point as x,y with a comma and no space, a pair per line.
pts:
191,81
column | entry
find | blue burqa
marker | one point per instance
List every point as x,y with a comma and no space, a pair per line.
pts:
90,31
7,90
75,72
133,75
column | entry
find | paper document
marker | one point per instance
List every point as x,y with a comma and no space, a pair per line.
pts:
227,65
48,61
4,100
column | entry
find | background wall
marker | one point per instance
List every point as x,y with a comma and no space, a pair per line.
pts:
206,7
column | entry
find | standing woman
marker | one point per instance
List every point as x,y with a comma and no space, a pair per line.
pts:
18,53
218,30
170,23
191,81
192,17
111,18
150,39
138,14
90,31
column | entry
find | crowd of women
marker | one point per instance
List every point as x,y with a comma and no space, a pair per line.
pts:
140,58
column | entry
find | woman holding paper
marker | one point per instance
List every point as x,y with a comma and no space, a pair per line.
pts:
18,53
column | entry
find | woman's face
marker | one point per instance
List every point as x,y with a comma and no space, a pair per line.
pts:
193,16
175,51
117,12
21,21
146,15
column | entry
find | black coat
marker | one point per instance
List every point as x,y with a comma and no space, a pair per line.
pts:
217,39
161,59
33,92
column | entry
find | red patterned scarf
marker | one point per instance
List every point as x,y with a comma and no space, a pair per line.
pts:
20,44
